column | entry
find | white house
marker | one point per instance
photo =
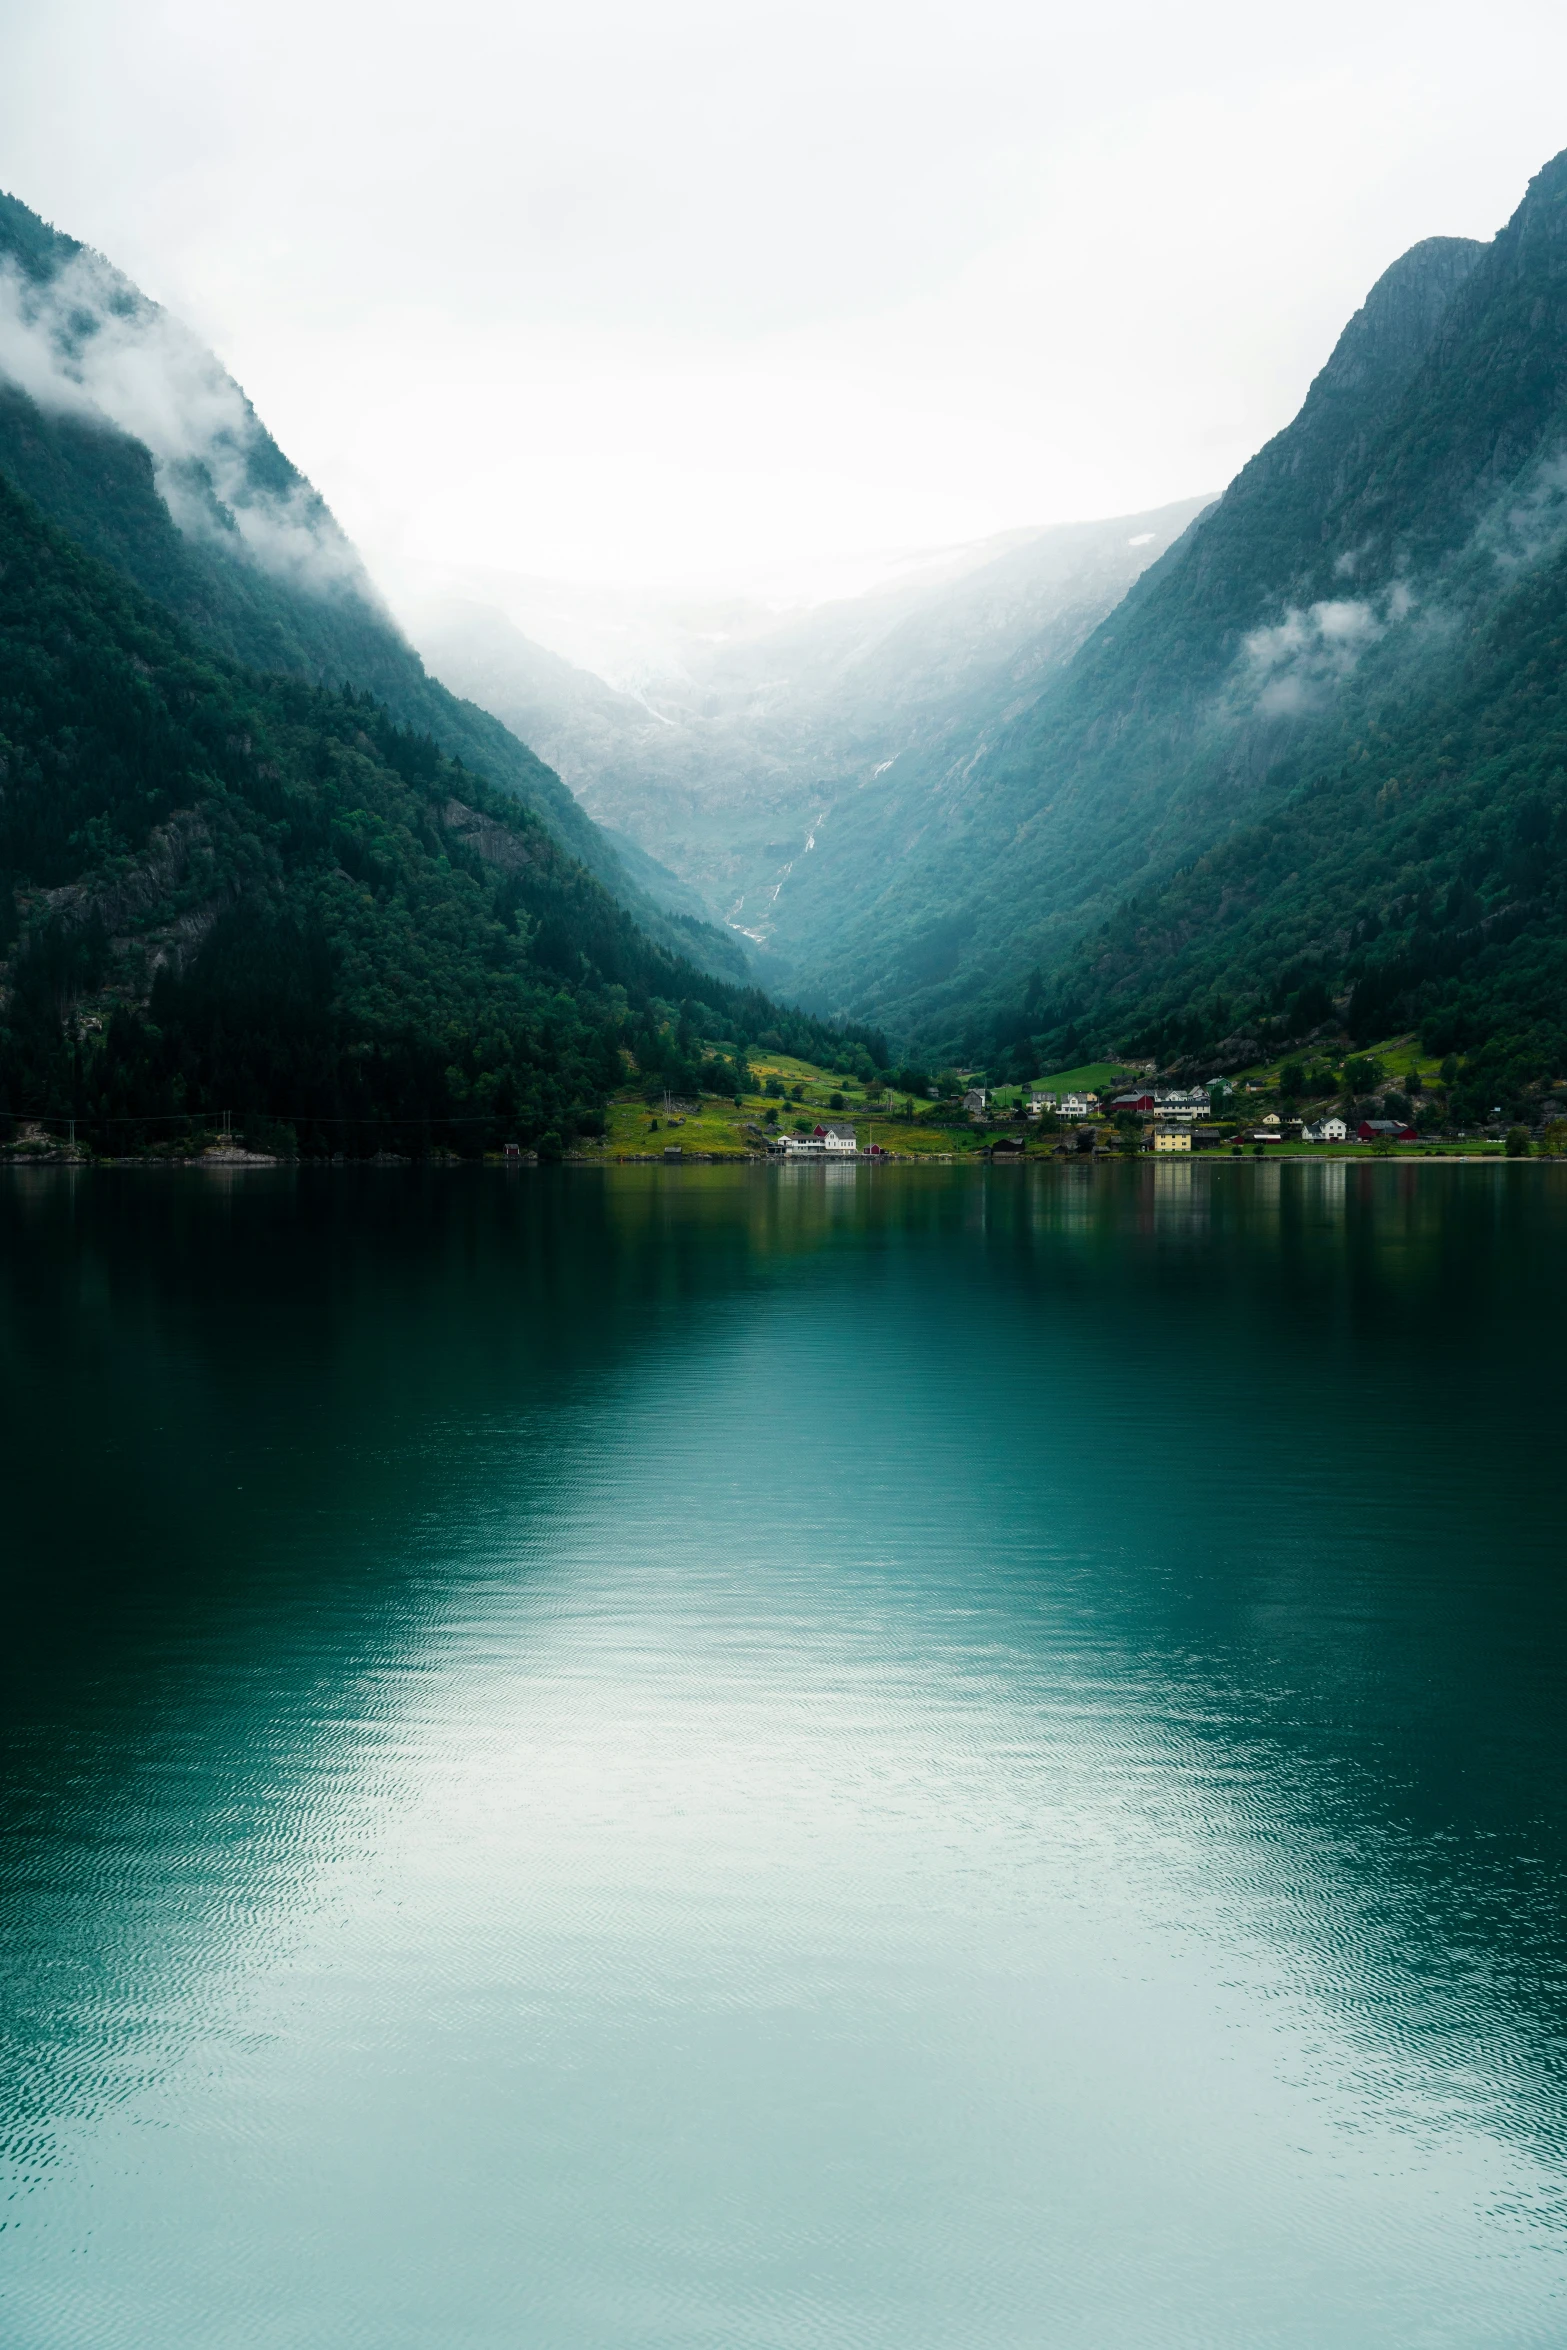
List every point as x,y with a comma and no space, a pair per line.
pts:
1185,1106
827,1142
1079,1105
1327,1130
1039,1102
974,1101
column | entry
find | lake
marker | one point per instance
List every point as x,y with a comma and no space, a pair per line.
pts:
696,1758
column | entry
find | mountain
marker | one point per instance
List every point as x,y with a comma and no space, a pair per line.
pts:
226,889
1330,728
132,437
784,762
1320,727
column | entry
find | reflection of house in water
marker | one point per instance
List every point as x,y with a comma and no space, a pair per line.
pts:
1181,1197
1069,1201
1327,1188
1265,1191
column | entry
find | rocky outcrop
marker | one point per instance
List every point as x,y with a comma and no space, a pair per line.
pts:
493,842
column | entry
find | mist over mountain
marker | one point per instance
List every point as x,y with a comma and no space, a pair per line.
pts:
784,762
131,436
1181,707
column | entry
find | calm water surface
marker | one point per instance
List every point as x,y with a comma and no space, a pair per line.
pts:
687,1759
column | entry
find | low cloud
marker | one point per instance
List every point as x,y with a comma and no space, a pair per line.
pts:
1297,664
1528,521
85,343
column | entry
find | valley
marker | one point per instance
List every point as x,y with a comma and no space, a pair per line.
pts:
787,761
1257,777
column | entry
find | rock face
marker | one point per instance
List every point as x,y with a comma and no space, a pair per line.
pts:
1396,325
1271,537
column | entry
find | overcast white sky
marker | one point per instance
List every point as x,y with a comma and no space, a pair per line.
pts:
658,292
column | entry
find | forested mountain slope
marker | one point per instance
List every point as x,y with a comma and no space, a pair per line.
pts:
1418,879
222,889
784,763
130,436
1405,851
1358,577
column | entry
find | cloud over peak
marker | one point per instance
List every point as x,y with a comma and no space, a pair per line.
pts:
83,342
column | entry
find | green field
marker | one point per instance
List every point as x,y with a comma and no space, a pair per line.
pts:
726,1129
1091,1077
1397,1054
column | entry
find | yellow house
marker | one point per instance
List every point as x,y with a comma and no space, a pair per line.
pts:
1172,1138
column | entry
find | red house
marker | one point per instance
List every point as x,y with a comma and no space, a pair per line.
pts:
1370,1128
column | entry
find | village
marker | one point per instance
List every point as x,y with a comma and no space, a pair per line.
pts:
1167,1122
1393,1100
1163,1121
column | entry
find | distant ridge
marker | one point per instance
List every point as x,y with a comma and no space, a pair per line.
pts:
786,763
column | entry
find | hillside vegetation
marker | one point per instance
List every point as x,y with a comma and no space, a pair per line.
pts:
229,891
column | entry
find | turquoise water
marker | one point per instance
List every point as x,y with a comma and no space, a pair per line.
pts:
790,1758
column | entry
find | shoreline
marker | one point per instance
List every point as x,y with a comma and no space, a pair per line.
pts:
238,1161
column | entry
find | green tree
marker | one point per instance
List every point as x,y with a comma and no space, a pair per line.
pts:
1518,1143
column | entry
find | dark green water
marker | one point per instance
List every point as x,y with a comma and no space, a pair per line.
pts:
924,1761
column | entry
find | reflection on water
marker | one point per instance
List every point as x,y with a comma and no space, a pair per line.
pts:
784,1757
